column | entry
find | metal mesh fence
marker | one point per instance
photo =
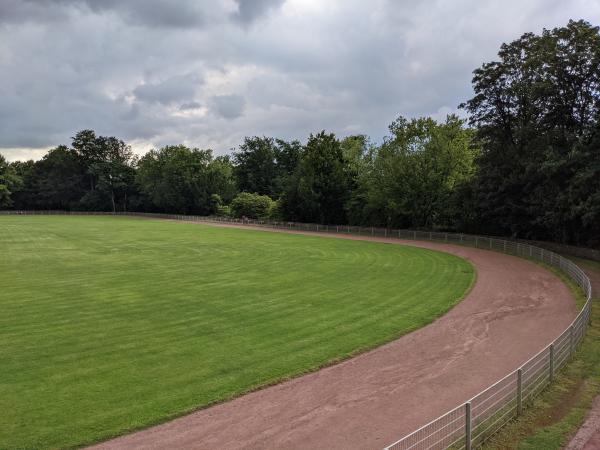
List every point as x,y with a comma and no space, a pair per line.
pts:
447,431
471,423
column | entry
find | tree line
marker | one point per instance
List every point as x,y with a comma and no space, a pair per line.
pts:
526,162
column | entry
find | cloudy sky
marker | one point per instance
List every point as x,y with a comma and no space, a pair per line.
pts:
206,73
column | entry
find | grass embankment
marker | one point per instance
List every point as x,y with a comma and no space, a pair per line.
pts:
111,324
559,412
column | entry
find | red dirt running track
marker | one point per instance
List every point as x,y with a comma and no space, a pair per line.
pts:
513,311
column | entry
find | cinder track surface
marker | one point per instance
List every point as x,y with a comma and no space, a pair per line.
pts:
515,309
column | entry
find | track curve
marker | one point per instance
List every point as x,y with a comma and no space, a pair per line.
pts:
515,308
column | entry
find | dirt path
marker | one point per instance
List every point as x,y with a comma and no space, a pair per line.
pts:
588,436
514,310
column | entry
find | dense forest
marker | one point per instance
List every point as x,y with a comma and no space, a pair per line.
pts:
526,162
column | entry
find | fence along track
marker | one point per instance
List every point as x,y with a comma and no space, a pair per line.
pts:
470,424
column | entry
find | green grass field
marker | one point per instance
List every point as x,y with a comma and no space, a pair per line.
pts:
109,324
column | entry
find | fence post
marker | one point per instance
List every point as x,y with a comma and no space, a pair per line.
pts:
468,426
551,362
476,241
571,346
519,392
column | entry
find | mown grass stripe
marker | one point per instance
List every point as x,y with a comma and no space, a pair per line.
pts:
110,324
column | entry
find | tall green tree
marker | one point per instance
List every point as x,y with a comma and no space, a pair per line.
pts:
255,167
58,180
535,109
113,172
410,181
183,180
108,170
9,182
322,183
221,179
90,151
357,151
24,195
287,158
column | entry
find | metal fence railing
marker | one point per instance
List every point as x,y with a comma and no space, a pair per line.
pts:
471,423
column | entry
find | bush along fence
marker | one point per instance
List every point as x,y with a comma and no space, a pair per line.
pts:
468,425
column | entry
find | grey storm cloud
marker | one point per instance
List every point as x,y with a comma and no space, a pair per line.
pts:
190,105
175,89
183,13
229,106
187,13
208,73
250,10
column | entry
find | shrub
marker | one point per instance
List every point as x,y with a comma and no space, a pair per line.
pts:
223,211
253,206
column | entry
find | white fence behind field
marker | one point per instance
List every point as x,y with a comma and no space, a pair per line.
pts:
471,423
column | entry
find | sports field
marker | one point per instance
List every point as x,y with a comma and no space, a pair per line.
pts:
110,324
